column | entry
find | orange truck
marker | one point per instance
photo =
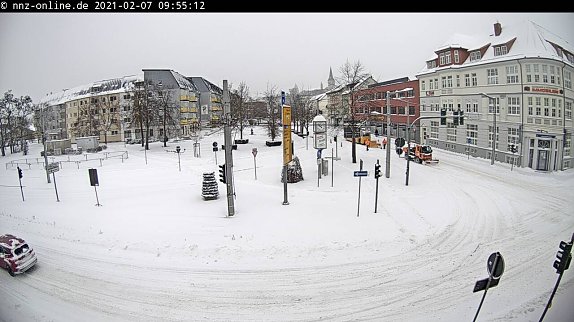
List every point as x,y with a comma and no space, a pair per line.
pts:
421,153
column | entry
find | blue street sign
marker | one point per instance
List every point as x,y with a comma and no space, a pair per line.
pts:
282,97
468,140
360,173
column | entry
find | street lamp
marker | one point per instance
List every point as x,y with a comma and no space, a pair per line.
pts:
494,132
408,136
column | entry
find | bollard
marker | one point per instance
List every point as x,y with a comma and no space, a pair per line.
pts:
100,162
78,164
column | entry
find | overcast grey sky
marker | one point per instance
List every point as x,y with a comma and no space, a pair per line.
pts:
42,53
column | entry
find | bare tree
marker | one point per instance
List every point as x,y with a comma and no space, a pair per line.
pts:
271,96
109,116
351,75
144,110
6,110
239,107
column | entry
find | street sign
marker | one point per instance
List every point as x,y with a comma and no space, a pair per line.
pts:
254,151
495,272
360,173
282,98
481,285
214,144
53,167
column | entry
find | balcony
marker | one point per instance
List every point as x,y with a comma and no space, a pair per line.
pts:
216,108
190,98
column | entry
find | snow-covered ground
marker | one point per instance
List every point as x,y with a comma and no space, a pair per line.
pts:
157,251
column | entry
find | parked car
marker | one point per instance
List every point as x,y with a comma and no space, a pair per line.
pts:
16,255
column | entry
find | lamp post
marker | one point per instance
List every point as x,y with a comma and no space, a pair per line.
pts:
494,132
408,136
388,162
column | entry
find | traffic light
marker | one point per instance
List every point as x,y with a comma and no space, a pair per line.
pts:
443,116
563,257
20,173
377,171
222,174
461,117
455,118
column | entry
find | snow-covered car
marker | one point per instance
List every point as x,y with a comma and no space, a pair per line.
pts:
15,254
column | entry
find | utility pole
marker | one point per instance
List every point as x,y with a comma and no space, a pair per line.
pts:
228,149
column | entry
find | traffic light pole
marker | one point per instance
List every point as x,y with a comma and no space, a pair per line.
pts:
228,150
566,258
20,179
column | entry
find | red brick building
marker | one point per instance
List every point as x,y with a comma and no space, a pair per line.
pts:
371,107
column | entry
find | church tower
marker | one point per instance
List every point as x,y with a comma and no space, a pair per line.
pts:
331,80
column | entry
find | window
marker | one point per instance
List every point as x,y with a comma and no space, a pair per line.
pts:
457,80
513,105
545,78
411,110
468,107
568,80
466,79
475,55
492,74
447,58
115,132
474,80
512,74
530,108
527,67
430,84
512,136
401,110
491,136
450,132
475,107
568,110
449,81
423,85
529,78
443,82
491,108
472,134
536,78
536,68
456,58
431,64
441,59
434,129
436,83
500,50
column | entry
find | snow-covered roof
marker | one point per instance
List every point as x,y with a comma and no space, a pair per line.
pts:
532,40
110,86
318,97
183,82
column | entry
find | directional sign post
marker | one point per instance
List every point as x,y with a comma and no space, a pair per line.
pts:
53,168
254,151
360,174
495,268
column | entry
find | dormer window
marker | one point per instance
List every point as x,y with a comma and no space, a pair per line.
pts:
431,64
447,58
441,58
500,50
475,55
456,58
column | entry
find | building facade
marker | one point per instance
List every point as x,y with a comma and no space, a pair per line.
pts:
210,100
404,107
515,90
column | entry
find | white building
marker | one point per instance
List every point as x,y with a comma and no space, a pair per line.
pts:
526,71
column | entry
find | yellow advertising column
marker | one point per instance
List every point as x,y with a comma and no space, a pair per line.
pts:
287,153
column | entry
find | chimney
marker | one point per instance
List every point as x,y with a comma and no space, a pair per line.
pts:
497,29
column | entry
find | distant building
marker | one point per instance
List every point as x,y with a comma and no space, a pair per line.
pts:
106,108
211,101
525,73
371,107
339,100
